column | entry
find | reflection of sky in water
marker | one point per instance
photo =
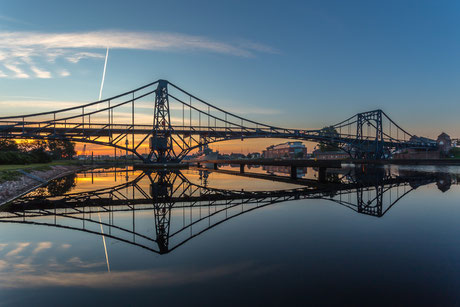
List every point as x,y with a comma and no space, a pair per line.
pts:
87,182
309,251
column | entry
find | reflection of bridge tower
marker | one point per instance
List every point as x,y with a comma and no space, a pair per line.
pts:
371,188
203,208
373,203
161,190
161,141
204,178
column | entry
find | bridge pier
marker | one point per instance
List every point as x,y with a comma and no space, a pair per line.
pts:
215,166
293,172
241,168
322,174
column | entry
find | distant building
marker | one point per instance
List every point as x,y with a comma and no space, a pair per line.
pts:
254,155
443,142
330,155
290,150
417,153
421,140
236,156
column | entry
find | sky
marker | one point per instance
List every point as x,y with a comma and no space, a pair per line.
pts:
299,64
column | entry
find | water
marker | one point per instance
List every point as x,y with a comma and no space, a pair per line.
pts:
387,236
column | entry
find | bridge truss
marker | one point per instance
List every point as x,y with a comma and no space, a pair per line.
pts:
167,123
182,210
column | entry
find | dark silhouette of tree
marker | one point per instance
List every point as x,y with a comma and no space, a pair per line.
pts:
329,131
61,185
61,149
8,145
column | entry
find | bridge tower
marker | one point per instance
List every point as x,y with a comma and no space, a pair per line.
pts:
369,146
161,149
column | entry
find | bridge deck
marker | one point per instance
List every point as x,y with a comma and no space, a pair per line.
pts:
276,162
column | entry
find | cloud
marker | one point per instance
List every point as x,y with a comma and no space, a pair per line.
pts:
77,262
64,73
20,247
18,71
13,20
40,73
42,246
126,40
39,104
19,48
21,277
75,58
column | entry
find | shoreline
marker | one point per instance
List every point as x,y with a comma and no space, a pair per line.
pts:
13,189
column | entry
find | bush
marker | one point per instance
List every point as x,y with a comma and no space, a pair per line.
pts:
14,157
17,157
40,156
455,152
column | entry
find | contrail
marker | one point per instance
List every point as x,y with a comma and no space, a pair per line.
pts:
100,222
103,74
103,240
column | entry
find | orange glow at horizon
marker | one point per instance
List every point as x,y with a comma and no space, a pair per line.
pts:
225,147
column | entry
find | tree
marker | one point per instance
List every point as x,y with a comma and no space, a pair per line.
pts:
8,145
61,185
332,133
61,149
30,146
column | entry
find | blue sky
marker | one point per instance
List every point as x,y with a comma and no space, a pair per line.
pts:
302,64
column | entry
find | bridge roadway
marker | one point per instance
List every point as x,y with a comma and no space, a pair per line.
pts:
83,132
433,162
322,165
293,164
269,177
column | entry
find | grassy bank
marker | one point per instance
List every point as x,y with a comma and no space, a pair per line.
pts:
9,175
10,172
36,166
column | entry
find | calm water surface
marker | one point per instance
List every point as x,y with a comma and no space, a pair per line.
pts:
115,237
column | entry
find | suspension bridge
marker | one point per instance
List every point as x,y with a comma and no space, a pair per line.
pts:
171,123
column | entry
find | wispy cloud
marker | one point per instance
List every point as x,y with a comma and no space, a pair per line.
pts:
42,246
64,73
39,73
24,48
75,58
18,72
13,20
19,248
26,275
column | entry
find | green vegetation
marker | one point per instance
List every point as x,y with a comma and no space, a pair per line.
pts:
455,152
35,151
36,166
9,175
329,131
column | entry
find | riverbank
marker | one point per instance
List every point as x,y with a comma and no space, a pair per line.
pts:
17,180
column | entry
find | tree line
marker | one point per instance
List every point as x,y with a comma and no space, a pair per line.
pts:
36,151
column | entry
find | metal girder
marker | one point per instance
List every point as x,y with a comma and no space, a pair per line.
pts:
171,142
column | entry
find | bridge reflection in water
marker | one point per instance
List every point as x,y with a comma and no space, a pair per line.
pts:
181,210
